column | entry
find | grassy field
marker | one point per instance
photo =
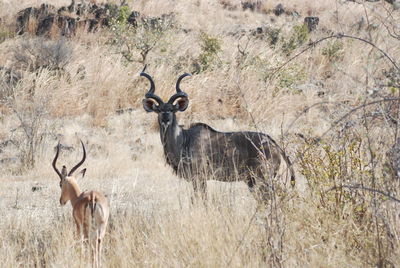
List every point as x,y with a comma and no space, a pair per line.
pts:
332,106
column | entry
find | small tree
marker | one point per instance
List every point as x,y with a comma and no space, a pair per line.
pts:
210,47
29,103
131,34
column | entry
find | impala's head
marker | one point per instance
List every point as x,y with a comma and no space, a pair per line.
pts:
166,111
67,180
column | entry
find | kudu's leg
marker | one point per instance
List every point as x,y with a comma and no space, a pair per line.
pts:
199,185
260,185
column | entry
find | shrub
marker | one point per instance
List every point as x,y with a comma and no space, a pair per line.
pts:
29,103
299,35
334,51
338,174
141,36
273,36
210,47
289,77
38,53
5,33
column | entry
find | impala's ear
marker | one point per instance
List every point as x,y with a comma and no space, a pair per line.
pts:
81,174
64,172
149,105
182,104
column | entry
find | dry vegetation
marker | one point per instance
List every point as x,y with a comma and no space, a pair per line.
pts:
334,108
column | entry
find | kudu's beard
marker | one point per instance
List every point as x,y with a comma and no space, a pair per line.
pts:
163,129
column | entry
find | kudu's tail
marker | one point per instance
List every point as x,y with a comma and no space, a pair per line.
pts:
287,161
290,166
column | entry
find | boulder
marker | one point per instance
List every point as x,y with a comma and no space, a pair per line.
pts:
311,23
278,10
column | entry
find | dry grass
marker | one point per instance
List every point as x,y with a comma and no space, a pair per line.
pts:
152,222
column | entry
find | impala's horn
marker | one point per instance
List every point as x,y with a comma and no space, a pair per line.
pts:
55,161
81,162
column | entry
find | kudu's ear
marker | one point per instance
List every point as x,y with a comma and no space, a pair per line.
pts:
149,105
182,104
81,174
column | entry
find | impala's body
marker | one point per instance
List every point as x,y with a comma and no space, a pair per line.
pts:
89,208
200,152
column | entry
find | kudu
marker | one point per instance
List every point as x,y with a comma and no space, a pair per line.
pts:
90,208
200,152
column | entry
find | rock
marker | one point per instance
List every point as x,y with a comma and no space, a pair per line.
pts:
133,18
25,16
278,10
311,89
65,21
10,161
396,5
311,23
64,148
252,5
125,110
36,188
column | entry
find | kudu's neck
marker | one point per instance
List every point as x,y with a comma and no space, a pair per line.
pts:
172,139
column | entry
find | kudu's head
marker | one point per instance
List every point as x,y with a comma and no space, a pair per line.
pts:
67,180
166,111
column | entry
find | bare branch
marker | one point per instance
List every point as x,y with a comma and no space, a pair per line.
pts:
363,188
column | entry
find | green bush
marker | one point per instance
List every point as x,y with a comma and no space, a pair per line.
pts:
340,174
140,38
210,47
299,35
289,77
273,36
334,51
5,33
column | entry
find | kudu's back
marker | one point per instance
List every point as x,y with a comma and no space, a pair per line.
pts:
228,156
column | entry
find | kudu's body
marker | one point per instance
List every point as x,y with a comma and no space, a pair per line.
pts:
200,152
89,208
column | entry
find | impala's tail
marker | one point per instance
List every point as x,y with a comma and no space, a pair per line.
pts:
95,217
92,204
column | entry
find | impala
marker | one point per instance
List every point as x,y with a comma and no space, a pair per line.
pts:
89,208
200,152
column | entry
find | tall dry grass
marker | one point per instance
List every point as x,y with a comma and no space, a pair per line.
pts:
95,94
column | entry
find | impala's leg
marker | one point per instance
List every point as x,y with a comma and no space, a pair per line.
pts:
79,237
95,253
78,229
100,234
99,246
